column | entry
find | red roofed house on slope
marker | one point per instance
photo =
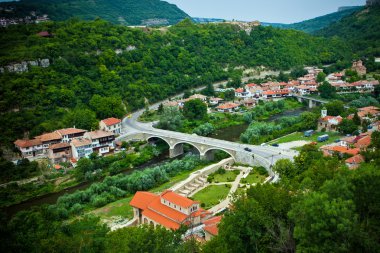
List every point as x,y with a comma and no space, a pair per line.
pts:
168,209
29,148
354,162
329,123
227,107
110,125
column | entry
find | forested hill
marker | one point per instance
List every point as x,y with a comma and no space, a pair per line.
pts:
130,12
97,67
318,23
361,29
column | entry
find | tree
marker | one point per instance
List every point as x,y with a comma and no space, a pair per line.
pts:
356,119
335,108
160,109
327,90
229,95
283,77
285,168
204,129
170,119
323,224
195,109
309,120
142,239
209,90
107,106
81,118
321,77
186,94
347,126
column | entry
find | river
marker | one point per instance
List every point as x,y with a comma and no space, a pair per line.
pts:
51,198
233,133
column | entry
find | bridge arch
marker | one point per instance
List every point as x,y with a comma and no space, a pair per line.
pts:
208,153
150,138
179,145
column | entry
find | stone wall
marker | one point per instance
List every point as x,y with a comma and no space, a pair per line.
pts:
24,66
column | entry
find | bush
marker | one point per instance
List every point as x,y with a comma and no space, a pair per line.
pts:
262,171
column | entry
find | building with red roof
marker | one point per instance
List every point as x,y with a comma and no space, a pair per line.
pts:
329,123
168,209
354,162
340,150
211,227
29,148
227,107
110,125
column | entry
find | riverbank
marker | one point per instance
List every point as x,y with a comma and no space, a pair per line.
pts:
52,196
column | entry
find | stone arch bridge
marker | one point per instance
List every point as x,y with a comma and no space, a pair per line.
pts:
241,153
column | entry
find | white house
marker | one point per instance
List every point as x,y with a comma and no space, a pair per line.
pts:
110,125
80,148
68,134
30,148
242,93
101,141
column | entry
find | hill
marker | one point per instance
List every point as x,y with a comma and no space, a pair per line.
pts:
130,12
361,29
97,65
318,23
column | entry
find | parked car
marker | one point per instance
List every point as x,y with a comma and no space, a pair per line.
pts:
248,149
275,145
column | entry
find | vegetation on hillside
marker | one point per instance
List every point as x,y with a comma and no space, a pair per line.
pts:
129,12
318,23
360,29
86,74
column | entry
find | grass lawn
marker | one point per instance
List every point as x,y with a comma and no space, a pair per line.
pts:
253,178
212,195
117,208
298,136
229,176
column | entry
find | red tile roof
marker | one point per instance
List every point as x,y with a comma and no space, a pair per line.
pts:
27,143
239,90
355,159
227,106
342,150
177,199
111,121
60,145
49,137
152,208
98,134
44,34
363,142
142,199
211,225
67,131
251,85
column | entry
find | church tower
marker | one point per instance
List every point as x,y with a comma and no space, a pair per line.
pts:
323,112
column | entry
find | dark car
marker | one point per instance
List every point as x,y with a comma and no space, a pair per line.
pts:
248,149
275,145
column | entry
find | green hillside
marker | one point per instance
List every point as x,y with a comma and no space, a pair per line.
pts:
87,73
131,12
318,23
361,29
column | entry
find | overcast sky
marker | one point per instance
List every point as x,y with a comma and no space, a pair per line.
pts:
281,11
